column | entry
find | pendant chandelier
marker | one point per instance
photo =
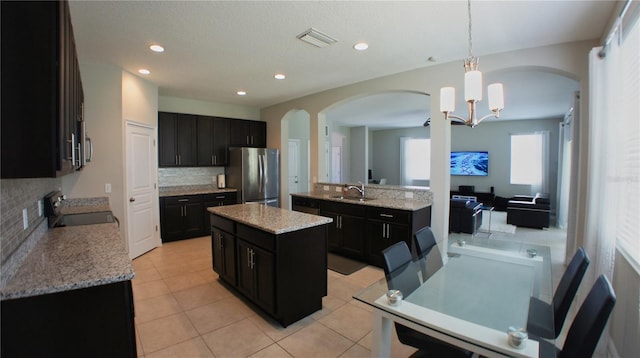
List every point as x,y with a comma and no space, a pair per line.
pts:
472,91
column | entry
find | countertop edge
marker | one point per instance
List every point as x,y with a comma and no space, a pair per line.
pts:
397,204
317,220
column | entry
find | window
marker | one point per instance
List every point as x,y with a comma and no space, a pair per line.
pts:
415,154
528,159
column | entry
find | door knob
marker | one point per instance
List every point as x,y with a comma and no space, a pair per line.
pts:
132,199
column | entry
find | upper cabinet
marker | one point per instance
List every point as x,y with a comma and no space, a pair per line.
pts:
243,133
42,96
187,140
213,141
177,139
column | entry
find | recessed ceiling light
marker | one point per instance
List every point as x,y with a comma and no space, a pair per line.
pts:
361,46
241,93
279,76
144,71
156,48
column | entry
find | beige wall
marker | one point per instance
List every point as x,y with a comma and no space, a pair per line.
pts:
568,59
112,96
207,108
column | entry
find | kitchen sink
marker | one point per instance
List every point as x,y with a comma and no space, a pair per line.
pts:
352,198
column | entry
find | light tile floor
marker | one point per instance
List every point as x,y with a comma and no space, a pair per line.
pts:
183,310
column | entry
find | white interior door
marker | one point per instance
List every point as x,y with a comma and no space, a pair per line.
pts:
294,165
336,164
142,194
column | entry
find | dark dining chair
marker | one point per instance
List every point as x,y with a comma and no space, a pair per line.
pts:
425,241
545,320
588,325
401,272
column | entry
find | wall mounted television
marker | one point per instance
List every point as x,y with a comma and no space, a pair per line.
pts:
470,163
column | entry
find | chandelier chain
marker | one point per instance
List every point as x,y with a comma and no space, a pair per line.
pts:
470,39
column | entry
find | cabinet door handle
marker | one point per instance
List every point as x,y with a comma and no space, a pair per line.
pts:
183,200
248,257
177,159
248,140
383,231
386,215
253,259
388,235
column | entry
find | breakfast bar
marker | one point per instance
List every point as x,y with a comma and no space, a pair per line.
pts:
274,257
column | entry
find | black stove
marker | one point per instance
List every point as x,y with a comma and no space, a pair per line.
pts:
52,203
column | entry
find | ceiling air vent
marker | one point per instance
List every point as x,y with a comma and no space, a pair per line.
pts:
317,38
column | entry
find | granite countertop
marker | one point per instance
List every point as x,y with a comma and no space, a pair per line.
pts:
192,190
69,258
400,204
269,219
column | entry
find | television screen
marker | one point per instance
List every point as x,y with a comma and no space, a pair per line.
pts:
470,163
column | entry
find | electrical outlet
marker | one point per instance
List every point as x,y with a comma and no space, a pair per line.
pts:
25,218
338,189
408,195
40,208
326,188
107,188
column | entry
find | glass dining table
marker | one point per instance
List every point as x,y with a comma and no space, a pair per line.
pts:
471,302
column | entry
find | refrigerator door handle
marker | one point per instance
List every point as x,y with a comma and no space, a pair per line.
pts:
261,164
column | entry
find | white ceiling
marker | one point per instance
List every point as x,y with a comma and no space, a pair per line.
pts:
215,48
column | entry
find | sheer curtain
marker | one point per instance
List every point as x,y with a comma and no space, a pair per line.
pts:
613,158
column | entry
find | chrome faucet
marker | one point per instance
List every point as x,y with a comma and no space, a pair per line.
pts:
361,190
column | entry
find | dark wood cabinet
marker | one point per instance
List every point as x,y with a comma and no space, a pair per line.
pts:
245,133
223,249
177,139
212,141
181,217
346,234
256,276
84,322
42,95
385,227
284,274
218,199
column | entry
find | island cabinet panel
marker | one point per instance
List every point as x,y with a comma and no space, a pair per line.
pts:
88,322
256,276
346,234
217,199
223,252
283,274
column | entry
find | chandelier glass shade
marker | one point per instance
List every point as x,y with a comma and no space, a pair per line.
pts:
472,91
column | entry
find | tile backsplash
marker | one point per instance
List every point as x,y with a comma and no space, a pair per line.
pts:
16,195
188,176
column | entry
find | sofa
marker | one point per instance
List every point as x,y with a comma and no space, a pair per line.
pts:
529,211
465,216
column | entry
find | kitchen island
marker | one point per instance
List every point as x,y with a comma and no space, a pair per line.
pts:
276,258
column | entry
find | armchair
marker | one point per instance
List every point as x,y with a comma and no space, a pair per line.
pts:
465,216
529,211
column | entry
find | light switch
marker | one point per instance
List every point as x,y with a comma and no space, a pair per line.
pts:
107,188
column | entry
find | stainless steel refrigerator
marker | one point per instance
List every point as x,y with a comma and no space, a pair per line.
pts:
255,172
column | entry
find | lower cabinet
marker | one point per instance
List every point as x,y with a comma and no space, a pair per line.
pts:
283,274
223,253
385,227
185,217
362,231
95,321
181,217
256,276
346,234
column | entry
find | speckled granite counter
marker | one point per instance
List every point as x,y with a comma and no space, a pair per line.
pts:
269,219
69,258
192,190
401,204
